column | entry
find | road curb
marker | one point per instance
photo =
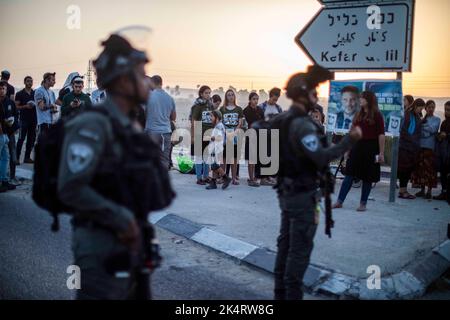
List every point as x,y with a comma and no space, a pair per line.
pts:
410,283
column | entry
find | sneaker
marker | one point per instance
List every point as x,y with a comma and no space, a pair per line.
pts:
253,183
8,185
442,196
28,160
201,182
212,185
226,182
267,182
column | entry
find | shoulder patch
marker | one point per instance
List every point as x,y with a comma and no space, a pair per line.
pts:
311,142
79,156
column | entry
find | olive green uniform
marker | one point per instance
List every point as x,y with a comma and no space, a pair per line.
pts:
86,138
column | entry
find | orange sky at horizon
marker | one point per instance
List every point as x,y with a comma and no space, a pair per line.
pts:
247,44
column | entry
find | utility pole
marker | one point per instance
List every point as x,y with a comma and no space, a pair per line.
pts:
89,77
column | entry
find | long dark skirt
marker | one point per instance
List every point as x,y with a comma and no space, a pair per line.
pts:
424,173
361,163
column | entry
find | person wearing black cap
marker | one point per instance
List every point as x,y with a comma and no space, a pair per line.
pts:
303,157
10,90
111,177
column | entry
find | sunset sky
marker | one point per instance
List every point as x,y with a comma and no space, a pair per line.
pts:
243,43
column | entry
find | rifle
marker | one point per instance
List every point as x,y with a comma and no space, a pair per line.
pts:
140,266
328,189
150,259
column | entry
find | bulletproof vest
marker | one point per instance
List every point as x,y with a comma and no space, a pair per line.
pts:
293,166
137,180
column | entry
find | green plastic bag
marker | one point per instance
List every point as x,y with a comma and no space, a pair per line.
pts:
185,164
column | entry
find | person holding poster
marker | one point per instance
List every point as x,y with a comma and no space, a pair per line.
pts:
368,153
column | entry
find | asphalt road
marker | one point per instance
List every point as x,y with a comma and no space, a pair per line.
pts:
34,261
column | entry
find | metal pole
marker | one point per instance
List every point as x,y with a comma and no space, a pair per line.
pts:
330,134
394,160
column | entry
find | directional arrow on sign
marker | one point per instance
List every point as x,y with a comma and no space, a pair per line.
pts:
357,35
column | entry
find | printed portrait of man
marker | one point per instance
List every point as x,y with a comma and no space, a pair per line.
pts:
349,107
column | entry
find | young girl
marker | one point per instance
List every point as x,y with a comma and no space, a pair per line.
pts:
201,113
252,113
215,149
232,119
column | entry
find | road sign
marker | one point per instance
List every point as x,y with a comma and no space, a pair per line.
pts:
358,36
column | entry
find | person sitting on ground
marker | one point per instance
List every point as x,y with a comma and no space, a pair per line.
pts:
215,150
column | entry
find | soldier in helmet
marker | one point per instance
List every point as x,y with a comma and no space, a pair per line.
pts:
304,155
106,175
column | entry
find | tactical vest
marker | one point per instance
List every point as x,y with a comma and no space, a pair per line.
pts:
137,180
294,168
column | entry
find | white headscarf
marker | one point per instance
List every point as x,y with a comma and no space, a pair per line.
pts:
70,77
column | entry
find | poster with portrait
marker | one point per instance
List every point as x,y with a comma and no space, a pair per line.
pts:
343,103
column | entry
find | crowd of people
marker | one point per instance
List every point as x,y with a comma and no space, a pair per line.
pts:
424,149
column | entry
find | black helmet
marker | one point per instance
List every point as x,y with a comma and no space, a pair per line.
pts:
117,58
300,84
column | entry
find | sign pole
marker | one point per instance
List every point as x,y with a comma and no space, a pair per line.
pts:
329,133
394,160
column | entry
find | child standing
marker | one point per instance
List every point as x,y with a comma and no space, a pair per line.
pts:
215,149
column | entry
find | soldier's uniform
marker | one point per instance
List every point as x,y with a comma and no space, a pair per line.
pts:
303,156
97,219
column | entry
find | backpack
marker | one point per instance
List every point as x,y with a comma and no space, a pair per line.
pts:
159,192
46,167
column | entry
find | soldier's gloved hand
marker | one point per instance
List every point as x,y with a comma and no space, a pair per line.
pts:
130,237
355,133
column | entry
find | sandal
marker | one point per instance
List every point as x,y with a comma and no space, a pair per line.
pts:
337,205
406,195
235,182
361,208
